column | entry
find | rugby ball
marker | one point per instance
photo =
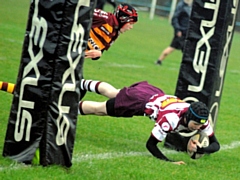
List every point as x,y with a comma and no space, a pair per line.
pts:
203,139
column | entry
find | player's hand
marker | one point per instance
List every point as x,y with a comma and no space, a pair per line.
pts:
179,162
179,34
93,54
192,145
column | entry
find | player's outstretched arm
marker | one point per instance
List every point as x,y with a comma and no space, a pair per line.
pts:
154,150
94,54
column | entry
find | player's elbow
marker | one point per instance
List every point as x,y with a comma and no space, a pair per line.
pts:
217,147
148,145
151,143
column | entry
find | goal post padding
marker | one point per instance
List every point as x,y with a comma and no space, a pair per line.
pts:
206,53
43,114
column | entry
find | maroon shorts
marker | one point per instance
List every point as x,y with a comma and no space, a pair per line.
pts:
131,101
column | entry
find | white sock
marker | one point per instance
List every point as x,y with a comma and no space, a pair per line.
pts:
90,85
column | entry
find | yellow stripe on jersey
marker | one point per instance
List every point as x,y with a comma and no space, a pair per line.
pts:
96,41
103,34
11,88
169,101
8,87
109,29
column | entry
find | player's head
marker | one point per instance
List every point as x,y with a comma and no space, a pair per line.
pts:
125,13
198,112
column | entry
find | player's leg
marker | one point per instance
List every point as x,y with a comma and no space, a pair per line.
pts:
99,87
97,108
107,90
166,52
92,107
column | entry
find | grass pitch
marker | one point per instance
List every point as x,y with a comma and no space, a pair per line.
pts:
114,148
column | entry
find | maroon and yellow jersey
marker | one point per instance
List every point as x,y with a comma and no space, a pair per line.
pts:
104,30
8,87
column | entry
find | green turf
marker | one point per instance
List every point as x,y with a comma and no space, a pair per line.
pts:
114,148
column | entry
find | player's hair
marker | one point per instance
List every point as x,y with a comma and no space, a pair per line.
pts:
125,13
198,112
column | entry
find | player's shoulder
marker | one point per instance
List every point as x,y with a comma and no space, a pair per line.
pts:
207,128
174,101
172,119
103,15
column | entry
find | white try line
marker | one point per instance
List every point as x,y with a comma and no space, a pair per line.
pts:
14,40
124,65
3,58
233,145
88,157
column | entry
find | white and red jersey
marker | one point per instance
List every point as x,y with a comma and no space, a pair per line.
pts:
168,113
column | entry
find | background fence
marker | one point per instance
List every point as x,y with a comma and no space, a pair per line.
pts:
162,8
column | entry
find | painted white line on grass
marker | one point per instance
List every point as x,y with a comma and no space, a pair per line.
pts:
234,71
87,157
15,166
124,65
3,58
13,40
233,145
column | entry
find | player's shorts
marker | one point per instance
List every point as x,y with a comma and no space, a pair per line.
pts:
131,101
178,42
110,107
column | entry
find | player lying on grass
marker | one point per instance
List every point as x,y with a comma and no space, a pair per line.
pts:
168,112
142,99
